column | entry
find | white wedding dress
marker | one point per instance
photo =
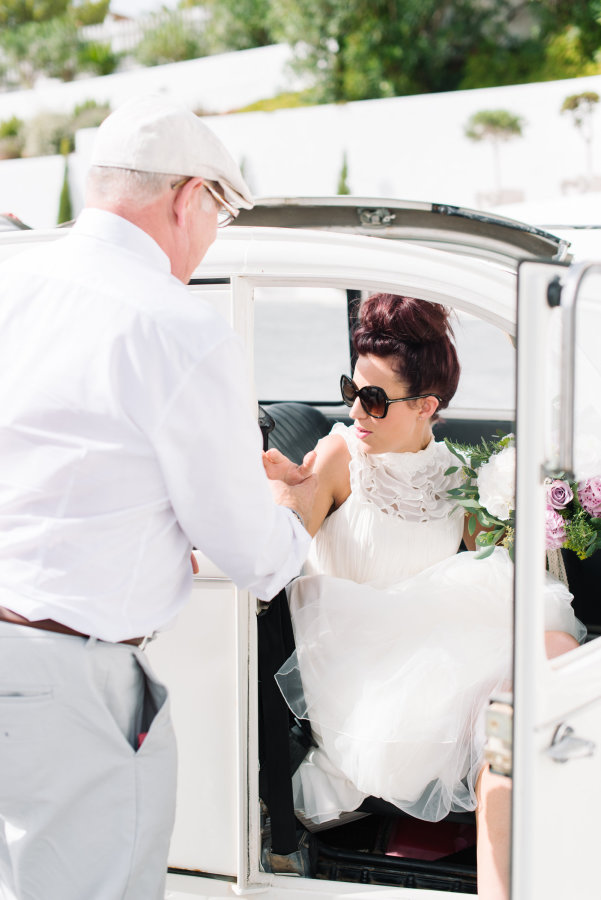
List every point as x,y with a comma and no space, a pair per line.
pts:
400,641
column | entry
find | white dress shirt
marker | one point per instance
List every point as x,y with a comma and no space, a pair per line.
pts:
126,437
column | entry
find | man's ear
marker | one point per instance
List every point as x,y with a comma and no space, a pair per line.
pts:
183,199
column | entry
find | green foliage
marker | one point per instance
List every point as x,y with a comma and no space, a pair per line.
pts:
90,13
287,100
358,49
10,127
65,209
580,534
471,458
48,47
492,64
98,58
581,106
87,115
494,124
44,134
17,12
11,138
170,39
343,187
238,24
51,133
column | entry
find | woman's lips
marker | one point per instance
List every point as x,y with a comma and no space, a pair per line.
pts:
361,432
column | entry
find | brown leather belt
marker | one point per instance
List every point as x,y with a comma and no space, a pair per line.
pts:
7,615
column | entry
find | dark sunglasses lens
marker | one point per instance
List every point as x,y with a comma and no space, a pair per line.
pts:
373,401
348,390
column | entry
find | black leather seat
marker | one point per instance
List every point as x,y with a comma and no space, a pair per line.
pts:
298,427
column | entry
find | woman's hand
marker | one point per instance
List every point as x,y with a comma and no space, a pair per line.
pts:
279,468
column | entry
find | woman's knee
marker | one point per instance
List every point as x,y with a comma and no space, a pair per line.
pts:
558,642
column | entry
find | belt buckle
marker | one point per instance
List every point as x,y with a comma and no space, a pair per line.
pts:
146,640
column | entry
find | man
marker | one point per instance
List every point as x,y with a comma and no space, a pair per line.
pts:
126,438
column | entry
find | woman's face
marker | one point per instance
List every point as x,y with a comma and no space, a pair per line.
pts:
406,426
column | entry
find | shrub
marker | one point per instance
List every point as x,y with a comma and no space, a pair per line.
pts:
170,40
98,58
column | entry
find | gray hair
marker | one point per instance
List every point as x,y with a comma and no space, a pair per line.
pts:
115,185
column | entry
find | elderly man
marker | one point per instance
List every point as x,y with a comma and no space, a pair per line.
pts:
126,438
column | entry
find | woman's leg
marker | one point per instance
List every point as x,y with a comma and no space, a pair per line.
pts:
493,815
558,642
493,818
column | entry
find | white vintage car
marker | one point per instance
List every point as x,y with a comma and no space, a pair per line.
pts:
287,279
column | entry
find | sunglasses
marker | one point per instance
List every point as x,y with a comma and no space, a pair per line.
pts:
227,213
374,400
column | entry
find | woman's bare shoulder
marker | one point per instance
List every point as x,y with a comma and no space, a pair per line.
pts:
332,451
332,466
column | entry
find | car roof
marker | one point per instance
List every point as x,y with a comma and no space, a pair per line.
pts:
451,228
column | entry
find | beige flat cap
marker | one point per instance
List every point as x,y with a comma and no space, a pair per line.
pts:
151,134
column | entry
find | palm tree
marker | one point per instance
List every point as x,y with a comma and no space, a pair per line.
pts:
496,126
581,107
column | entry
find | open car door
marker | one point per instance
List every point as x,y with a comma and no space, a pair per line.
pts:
557,704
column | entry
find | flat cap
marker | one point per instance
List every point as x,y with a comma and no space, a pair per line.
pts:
151,134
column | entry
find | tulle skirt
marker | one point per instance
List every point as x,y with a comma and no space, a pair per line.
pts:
395,682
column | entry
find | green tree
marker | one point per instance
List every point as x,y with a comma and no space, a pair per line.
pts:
581,108
90,13
11,138
97,58
169,38
343,186
238,24
18,12
49,47
496,126
65,209
358,49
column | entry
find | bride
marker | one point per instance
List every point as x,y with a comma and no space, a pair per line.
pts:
399,639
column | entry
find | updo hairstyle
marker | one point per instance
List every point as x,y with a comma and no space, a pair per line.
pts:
417,335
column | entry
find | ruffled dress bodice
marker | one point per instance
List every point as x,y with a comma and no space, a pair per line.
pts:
397,521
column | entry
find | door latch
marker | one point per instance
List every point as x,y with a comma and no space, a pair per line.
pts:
566,745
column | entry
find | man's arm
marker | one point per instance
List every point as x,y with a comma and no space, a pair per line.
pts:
209,448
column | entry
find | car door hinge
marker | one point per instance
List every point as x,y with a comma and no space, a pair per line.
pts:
498,751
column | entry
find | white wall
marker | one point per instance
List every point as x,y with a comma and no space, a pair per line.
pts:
406,147
214,83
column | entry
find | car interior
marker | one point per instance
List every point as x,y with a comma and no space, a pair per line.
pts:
378,844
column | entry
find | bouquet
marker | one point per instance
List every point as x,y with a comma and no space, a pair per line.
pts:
573,514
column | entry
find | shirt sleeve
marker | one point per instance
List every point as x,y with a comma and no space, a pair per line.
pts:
209,448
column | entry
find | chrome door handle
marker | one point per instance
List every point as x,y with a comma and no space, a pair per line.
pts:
566,745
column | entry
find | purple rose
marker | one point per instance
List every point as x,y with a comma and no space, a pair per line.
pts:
589,494
559,494
555,530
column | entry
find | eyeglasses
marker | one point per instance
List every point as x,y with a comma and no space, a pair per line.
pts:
226,214
373,399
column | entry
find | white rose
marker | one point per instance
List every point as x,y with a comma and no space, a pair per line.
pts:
496,483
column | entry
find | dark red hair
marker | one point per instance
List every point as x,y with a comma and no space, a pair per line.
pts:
419,338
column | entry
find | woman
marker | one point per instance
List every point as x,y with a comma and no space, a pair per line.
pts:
400,640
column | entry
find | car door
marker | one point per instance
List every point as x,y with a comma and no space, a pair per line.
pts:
204,660
557,704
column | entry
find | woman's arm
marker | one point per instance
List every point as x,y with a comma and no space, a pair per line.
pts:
330,469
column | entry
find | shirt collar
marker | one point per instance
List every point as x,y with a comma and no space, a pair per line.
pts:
107,226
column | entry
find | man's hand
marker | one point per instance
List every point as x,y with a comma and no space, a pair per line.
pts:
280,468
